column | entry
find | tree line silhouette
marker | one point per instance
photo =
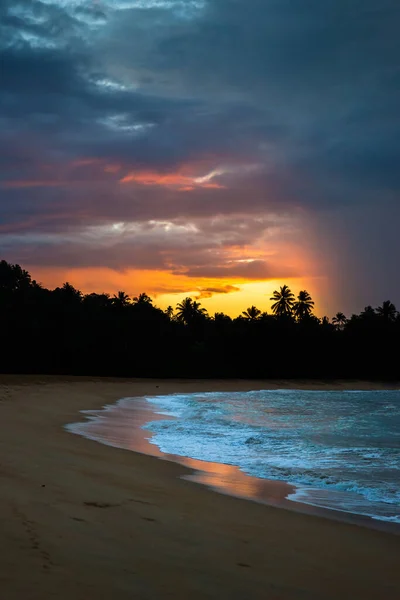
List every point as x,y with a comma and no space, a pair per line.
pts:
63,331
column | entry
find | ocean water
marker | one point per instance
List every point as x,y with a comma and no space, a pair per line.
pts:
341,449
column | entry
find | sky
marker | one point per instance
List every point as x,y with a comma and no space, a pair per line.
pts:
208,148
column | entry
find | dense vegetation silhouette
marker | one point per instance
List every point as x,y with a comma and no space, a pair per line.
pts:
63,331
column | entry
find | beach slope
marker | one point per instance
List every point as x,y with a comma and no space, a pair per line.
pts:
85,521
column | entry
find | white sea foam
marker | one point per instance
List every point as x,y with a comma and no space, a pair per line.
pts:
341,448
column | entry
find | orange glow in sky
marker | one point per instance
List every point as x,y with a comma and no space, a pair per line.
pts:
167,289
275,250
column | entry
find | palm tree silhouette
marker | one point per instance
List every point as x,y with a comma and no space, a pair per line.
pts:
339,320
197,311
188,310
252,313
142,299
387,311
184,310
121,300
96,334
304,306
283,302
169,311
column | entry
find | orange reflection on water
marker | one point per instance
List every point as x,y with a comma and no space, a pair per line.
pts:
231,480
125,431
121,426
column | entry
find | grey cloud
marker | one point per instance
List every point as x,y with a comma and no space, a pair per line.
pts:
176,246
309,69
119,257
63,206
308,91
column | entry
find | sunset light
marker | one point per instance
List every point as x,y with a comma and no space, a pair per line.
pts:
162,157
199,299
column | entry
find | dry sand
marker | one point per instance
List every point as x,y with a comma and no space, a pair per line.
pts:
83,521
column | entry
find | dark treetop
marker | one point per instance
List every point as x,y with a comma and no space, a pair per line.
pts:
65,332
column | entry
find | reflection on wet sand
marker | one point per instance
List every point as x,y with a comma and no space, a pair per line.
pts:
115,427
120,425
230,480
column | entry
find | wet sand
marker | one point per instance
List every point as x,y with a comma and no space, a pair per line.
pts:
85,521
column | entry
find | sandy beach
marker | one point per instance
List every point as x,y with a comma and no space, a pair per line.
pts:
85,521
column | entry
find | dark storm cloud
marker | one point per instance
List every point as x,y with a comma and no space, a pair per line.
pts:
325,74
307,93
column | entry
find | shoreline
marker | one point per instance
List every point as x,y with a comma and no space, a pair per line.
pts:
82,520
221,478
